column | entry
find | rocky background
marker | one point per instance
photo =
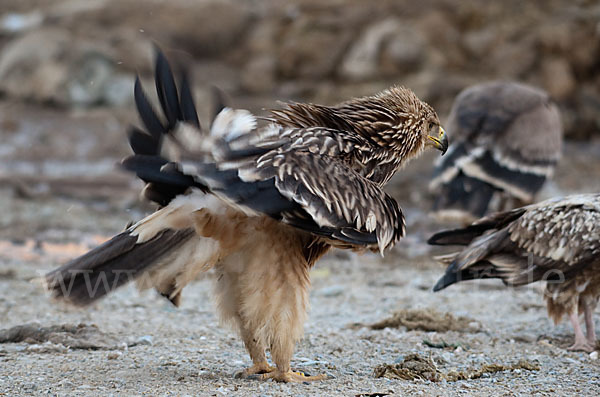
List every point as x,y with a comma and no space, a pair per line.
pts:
75,54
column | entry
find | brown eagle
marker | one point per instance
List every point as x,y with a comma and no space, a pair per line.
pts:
259,204
557,241
506,140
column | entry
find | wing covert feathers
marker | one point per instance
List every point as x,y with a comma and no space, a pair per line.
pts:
304,175
539,241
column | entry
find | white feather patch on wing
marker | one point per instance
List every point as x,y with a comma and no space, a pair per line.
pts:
453,215
452,171
232,123
190,137
513,165
176,216
476,171
371,222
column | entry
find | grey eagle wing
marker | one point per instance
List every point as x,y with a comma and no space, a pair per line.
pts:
506,137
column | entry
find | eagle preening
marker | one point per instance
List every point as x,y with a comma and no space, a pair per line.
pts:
506,140
557,241
258,203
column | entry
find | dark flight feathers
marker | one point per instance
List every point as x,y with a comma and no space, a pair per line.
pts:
110,265
273,177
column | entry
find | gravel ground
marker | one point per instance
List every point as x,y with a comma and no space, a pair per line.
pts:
138,344
185,351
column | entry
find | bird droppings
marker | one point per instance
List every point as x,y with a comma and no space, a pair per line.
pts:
427,320
417,367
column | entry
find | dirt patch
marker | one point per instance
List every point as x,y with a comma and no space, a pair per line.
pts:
80,336
427,320
415,366
8,274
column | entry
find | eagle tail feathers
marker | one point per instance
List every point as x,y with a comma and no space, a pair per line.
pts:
111,265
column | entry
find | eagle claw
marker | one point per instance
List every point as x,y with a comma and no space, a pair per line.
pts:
582,346
255,371
289,376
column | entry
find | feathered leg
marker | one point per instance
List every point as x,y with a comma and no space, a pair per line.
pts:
262,289
289,289
257,353
282,355
581,343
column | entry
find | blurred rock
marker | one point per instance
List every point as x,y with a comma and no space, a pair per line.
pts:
30,64
90,78
403,50
212,28
362,59
443,41
387,47
479,43
558,78
312,48
76,53
259,75
513,60
48,65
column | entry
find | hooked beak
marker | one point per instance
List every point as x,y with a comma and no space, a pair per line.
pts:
439,142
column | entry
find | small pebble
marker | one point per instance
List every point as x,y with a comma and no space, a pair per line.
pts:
334,290
114,355
594,355
144,340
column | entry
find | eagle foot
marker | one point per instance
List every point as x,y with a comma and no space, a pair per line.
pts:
582,346
289,377
256,369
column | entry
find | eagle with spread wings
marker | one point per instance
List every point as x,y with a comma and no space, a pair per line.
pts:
258,201
557,241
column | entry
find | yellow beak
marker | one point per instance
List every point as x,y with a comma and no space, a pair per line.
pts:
439,142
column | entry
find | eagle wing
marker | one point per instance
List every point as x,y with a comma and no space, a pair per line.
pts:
505,136
567,231
554,238
302,179
309,177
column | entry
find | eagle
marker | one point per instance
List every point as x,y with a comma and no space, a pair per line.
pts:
259,201
557,241
506,140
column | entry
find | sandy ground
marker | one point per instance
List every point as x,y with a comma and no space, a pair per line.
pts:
138,344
